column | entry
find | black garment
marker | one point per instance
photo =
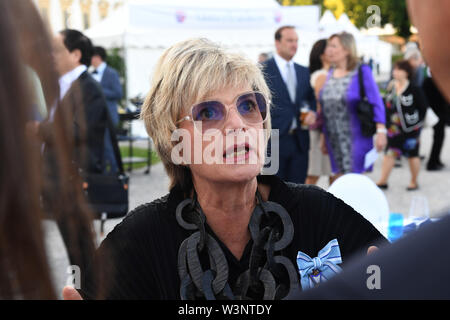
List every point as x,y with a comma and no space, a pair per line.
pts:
404,119
79,122
138,258
442,109
410,109
415,267
82,113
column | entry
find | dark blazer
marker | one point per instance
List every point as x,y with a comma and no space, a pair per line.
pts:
82,113
112,90
283,110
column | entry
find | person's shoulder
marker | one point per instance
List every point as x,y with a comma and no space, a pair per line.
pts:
365,69
308,196
111,70
311,198
306,189
301,67
318,74
88,82
144,218
268,64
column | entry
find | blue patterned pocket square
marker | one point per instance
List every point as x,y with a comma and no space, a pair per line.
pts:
321,268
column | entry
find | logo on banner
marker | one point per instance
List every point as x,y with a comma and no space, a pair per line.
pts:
181,16
278,16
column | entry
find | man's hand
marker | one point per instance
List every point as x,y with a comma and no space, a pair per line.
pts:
310,118
372,249
70,293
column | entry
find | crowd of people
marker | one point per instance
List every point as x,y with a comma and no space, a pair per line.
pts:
224,230
330,140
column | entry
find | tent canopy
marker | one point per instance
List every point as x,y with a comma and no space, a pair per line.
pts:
236,23
144,28
157,23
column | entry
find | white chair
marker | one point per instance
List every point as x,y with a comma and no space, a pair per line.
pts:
363,195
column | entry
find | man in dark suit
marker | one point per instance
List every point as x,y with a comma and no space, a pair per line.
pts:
289,83
78,121
112,89
81,106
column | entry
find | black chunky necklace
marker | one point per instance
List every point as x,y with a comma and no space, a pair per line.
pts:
268,277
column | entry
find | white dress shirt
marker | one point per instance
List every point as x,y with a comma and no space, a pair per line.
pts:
100,70
65,82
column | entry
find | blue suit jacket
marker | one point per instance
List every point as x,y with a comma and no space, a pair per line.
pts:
112,90
283,110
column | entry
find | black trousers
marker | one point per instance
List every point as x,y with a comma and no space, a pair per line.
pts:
441,108
438,141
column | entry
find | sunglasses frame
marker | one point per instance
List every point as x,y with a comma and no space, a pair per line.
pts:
190,117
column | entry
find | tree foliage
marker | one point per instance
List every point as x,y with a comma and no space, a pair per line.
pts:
392,11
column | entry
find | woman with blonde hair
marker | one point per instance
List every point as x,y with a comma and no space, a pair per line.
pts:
340,96
225,231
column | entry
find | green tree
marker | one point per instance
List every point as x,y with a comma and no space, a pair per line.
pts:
300,2
394,12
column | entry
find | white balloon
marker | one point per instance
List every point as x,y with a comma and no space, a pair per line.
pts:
363,195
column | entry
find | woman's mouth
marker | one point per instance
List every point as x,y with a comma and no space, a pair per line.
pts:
237,153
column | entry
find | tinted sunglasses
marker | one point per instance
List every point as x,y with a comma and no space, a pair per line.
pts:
251,106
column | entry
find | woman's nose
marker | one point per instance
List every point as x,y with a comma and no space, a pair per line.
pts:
234,120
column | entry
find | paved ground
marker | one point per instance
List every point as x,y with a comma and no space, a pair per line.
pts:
144,188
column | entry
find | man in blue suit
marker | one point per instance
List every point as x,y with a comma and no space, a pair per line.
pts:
112,90
291,89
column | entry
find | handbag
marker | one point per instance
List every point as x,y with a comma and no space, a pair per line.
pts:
364,109
107,194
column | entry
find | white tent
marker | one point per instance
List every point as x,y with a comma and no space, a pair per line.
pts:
347,25
328,24
76,16
144,28
56,15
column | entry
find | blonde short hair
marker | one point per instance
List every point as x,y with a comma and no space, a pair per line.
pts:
187,73
348,42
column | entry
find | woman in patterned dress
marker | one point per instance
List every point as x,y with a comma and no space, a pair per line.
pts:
344,141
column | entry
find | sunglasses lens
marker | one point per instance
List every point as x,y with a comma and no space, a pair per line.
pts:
209,113
252,107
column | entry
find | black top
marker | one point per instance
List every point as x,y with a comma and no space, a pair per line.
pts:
410,106
138,259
